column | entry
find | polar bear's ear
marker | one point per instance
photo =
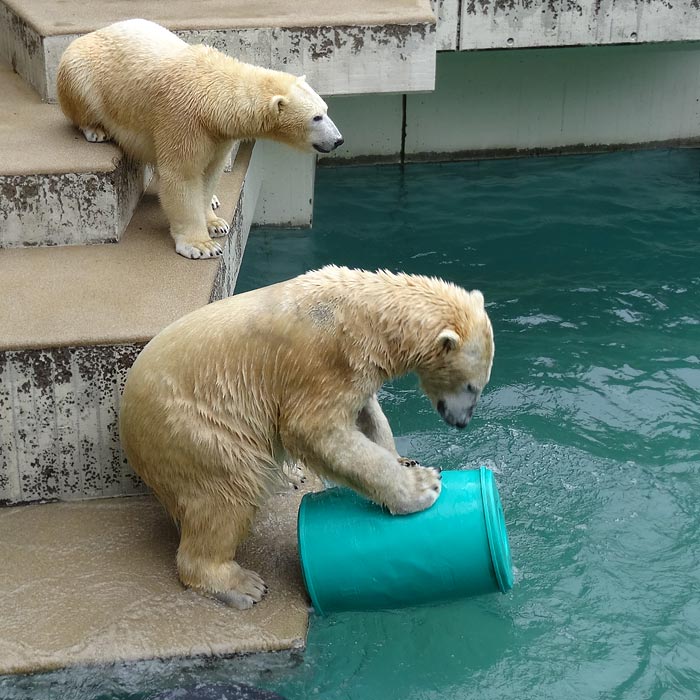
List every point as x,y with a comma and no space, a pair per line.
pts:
448,340
478,297
278,103
301,79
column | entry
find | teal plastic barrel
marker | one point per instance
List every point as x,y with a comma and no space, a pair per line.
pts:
357,556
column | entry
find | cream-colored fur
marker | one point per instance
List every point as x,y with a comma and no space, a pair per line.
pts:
217,401
180,108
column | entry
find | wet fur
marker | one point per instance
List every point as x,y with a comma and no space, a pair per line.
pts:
180,108
217,401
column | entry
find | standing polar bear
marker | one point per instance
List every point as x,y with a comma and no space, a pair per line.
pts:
180,108
218,400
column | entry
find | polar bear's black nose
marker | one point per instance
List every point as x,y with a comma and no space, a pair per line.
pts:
339,142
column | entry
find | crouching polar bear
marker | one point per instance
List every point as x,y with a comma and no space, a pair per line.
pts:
218,400
180,108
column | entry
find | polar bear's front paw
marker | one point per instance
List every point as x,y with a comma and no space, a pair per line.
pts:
215,203
196,250
217,227
418,491
94,134
245,588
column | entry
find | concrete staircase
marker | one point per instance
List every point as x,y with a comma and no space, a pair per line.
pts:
86,311
88,275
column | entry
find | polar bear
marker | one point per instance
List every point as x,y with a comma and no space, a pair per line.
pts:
217,401
180,108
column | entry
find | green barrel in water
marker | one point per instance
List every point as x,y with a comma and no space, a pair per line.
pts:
357,556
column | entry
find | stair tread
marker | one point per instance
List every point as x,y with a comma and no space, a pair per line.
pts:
116,559
108,293
77,17
36,139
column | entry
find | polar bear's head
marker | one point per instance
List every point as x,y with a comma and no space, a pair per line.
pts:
302,119
460,366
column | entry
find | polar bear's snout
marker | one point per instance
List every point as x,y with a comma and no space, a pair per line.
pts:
325,136
458,408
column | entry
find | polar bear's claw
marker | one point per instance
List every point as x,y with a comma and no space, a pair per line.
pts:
196,250
295,474
408,462
217,227
215,203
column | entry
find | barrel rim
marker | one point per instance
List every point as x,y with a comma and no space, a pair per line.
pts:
496,531
306,574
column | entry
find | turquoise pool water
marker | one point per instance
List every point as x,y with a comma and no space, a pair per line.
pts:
591,271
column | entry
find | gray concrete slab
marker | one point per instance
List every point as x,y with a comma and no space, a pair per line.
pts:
95,582
77,17
106,294
366,46
37,138
55,187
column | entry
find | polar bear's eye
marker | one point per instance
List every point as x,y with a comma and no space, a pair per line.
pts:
318,118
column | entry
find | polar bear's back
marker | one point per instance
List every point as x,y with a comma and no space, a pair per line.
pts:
114,78
133,40
113,60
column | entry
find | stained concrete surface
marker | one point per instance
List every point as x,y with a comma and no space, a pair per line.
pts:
76,17
102,294
95,582
35,138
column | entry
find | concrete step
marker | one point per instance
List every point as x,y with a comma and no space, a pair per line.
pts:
73,320
55,187
116,559
342,48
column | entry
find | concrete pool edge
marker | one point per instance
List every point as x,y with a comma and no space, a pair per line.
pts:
93,583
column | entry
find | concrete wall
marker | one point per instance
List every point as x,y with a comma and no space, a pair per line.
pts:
489,24
287,185
495,102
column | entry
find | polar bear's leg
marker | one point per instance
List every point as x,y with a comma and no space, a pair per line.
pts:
374,424
182,201
210,530
215,224
349,457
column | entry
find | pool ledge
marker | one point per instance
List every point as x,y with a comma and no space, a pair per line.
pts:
94,583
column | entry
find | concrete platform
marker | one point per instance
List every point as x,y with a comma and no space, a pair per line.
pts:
95,582
95,295
343,48
55,187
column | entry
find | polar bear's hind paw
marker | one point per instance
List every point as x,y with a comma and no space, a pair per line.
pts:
246,590
94,134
